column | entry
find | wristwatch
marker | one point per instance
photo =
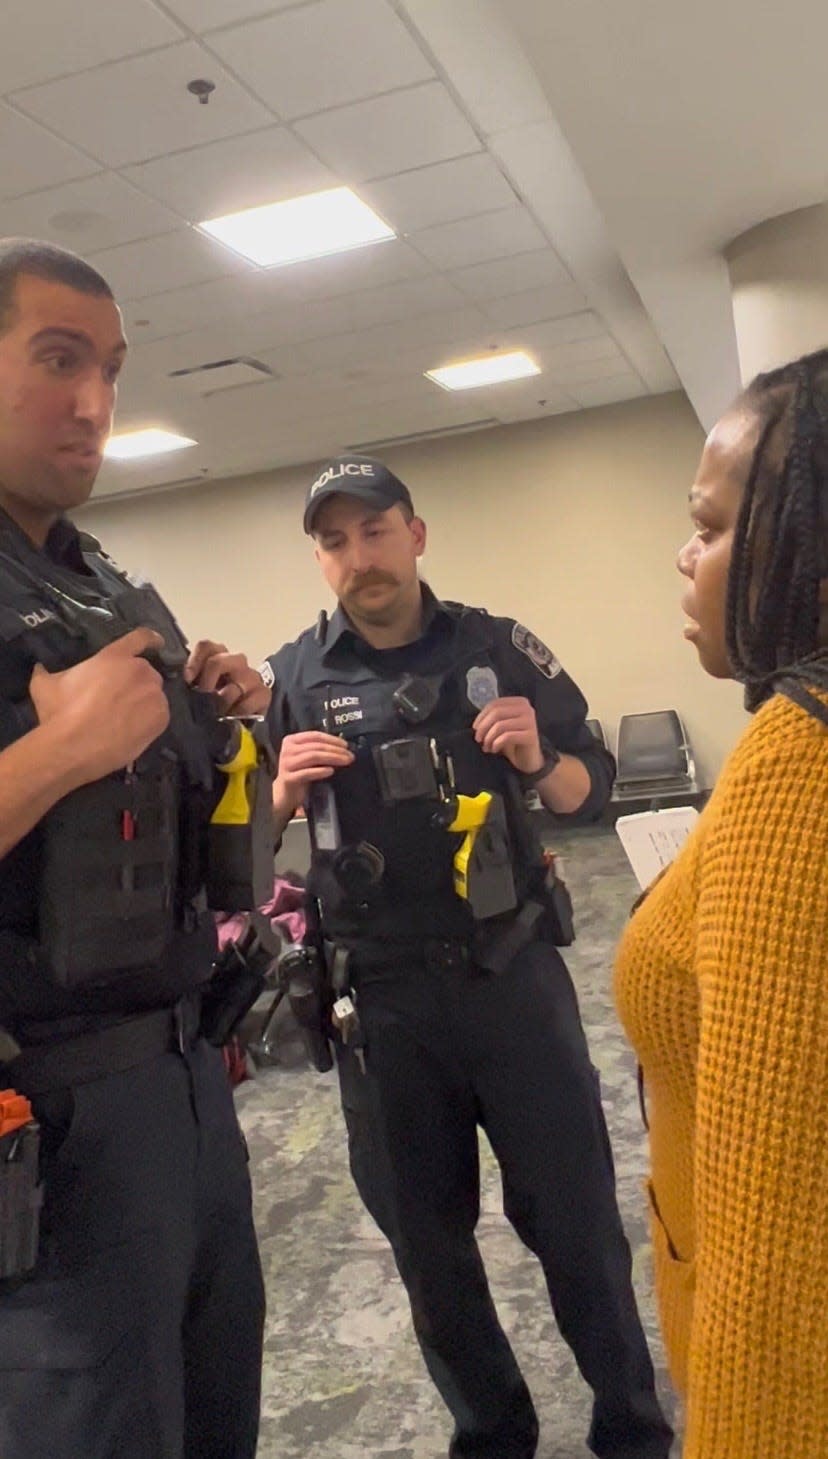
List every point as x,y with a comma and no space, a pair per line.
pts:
551,758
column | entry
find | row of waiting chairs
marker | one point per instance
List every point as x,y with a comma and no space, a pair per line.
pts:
653,754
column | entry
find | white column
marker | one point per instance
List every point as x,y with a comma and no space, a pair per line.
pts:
779,278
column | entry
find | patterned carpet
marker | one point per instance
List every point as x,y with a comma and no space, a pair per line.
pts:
343,1375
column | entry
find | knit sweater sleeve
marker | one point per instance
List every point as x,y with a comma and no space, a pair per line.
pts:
758,1360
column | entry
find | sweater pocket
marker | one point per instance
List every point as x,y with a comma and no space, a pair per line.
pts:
675,1282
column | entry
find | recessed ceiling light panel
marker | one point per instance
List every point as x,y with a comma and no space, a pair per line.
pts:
487,370
299,228
132,445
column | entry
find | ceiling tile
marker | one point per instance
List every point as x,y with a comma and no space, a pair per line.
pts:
227,176
532,305
579,352
474,240
607,392
572,373
526,400
178,310
408,300
457,189
340,273
261,318
30,158
96,213
323,55
282,403
515,275
204,15
550,334
139,108
46,38
410,344
376,138
167,262
394,302
563,348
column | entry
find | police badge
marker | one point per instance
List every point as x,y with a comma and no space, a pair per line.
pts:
481,686
535,651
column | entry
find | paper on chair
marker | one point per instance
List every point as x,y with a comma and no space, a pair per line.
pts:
653,839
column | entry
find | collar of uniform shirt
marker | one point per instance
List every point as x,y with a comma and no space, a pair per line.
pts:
340,627
62,543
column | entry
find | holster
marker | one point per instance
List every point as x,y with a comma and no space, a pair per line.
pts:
548,915
559,916
302,975
239,977
240,842
21,1197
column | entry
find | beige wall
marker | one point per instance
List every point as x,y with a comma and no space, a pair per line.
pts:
570,524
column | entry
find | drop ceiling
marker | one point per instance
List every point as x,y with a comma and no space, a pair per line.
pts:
520,190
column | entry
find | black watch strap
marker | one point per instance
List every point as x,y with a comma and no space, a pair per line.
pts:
551,758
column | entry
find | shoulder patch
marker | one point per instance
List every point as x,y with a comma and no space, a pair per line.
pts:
268,676
535,651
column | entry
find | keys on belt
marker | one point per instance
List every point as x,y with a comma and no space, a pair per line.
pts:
345,1020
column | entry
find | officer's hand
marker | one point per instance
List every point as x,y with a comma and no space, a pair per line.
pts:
509,727
112,706
304,758
242,689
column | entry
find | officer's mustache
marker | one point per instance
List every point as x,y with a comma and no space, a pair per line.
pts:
374,579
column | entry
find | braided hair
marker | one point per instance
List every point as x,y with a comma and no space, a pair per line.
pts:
780,544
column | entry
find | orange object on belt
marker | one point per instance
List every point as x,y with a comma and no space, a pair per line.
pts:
15,1111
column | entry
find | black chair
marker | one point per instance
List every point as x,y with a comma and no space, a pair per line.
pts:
597,730
654,757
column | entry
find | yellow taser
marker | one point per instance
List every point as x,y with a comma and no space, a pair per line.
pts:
472,811
234,808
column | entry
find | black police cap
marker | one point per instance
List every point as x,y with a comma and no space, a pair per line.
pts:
358,476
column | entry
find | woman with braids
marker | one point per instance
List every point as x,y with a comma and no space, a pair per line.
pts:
722,976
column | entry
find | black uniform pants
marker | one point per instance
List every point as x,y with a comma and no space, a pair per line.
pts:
140,1334
448,1049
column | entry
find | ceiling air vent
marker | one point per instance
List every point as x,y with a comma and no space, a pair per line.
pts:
218,375
415,436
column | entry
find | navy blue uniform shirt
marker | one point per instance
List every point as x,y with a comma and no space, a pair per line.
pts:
525,668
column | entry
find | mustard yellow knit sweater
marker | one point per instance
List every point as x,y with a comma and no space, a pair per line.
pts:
722,984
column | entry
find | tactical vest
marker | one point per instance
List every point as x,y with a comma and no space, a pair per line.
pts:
415,895
133,910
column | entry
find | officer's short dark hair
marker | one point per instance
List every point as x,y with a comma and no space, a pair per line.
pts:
44,261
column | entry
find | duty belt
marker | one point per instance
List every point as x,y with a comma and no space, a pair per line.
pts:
43,1068
492,950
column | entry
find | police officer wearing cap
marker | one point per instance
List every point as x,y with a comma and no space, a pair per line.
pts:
131,1322
412,730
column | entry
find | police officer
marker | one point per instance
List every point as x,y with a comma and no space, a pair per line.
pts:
139,1331
465,1015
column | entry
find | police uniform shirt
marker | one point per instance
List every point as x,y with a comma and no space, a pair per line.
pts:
497,656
